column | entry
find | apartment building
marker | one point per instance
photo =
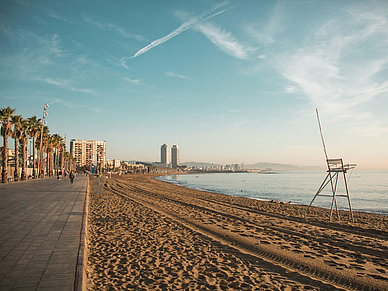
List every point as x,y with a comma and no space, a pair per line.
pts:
88,152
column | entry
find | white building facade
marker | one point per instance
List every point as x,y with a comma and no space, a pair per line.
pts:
88,152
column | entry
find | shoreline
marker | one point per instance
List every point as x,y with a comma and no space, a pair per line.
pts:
149,234
383,212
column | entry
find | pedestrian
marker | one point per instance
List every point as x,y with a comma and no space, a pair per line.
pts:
65,175
60,175
72,176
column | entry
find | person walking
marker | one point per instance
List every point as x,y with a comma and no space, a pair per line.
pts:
72,176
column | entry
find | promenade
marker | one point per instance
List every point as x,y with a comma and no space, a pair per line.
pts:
40,232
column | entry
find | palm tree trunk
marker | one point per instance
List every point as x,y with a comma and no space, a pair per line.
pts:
55,162
42,163
48,161
33,158
51,163
62,158
4,172
24,149
16,173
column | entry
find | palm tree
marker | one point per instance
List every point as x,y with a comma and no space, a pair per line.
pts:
23,144
63,150
5,115
16,135
57,139
34,125
41,144
50,154
69,159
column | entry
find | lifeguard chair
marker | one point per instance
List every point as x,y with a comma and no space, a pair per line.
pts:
334,168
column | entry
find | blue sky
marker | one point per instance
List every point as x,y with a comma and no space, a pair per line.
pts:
229,82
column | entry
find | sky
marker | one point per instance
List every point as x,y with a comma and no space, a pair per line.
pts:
228,82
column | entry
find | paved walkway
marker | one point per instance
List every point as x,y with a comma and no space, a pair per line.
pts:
40,231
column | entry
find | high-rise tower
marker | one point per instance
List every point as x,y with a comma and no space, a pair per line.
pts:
165,155
175,156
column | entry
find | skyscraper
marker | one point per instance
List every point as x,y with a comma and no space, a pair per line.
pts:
175,156
165,155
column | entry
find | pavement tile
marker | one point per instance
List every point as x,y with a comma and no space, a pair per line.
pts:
37,265
34,272
7,281
14,273
28,282
22,262
57,288
64,280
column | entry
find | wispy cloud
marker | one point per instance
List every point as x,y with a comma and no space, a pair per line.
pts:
133,81
123,62
183,27
62,102
371,130
52,14
66,84
48,45
340,69
172,74
38,53
77,105
266,34
291,89
223,40
112,27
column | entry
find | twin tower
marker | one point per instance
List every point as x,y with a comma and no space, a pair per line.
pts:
165,156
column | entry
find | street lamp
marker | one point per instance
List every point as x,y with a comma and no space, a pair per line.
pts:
41,139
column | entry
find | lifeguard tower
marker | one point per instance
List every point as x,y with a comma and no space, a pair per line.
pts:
334,168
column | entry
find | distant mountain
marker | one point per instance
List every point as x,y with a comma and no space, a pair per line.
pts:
281,167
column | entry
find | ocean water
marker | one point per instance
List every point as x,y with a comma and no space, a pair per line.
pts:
368,189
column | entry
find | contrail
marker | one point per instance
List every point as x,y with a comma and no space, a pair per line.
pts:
180,29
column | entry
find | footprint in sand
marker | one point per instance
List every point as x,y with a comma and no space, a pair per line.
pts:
358,267
331,263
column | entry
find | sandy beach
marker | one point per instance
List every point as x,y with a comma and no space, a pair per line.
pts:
144,234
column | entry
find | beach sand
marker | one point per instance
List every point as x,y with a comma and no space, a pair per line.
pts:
144,234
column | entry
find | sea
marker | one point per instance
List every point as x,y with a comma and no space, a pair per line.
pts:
368,189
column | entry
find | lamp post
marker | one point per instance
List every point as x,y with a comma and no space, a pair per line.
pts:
41,139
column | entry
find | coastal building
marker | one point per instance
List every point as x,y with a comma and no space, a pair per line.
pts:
113,164
165,155
88,152
175,156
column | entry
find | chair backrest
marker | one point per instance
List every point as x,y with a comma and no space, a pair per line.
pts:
335,165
